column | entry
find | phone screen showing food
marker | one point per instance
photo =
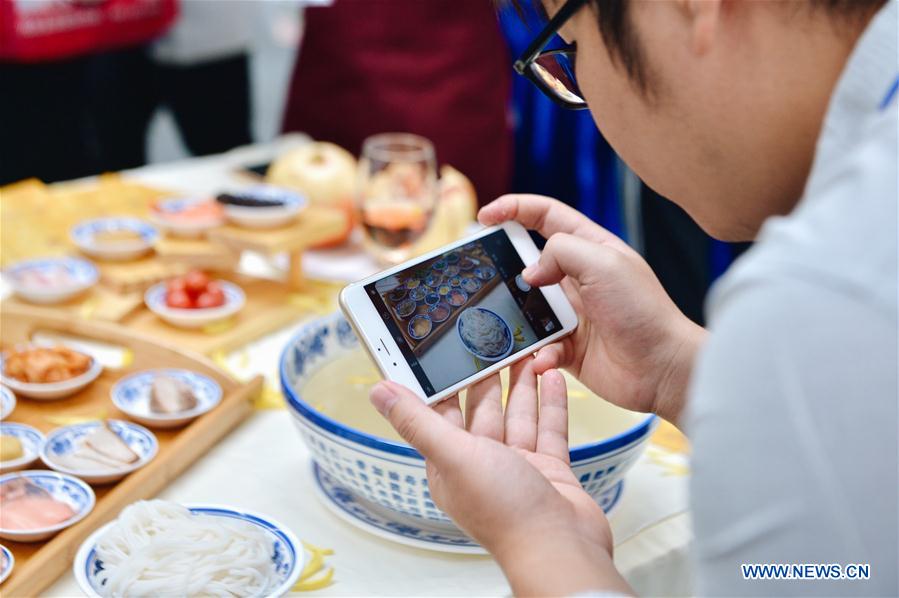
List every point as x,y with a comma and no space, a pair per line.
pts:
458,313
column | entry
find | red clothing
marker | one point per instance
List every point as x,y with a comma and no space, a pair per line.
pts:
438,68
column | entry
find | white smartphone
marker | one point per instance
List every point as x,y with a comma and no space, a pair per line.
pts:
444,320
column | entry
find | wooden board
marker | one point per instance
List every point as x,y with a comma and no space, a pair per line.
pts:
420,346
99,303
39,564
314,225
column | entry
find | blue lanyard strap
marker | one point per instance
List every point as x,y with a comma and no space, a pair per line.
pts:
891,93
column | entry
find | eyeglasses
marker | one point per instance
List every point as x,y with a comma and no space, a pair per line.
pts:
553,70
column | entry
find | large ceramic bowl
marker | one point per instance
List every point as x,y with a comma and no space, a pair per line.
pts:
391,473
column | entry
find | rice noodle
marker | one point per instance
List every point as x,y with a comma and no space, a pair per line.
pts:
159,548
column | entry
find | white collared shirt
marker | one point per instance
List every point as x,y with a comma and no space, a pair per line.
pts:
793,404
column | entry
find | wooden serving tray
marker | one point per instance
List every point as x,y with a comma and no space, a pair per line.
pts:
39,564
419,346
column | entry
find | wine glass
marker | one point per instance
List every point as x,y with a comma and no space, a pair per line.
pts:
397,193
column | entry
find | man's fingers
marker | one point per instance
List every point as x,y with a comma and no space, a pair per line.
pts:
549,357
552,424
484,408
451,411
521,408
433,435
545,215
567,255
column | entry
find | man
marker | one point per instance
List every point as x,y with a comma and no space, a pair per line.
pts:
773,121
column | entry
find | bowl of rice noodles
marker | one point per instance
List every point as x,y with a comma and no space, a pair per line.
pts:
484,334
162,548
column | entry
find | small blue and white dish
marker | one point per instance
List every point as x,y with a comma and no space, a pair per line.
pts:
288,556
62,487
432,298
7,562
284,206
378,483
132,395
419,330
451,258
88,236
7,402
53,279
32,442
167,214
470,285
464,328
65,440
397,294
191,318
485,273
434,280
451,270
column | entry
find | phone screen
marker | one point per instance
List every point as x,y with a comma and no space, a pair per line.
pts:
458,313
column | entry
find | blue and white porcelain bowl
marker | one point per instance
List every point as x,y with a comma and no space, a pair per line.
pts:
288,556
53,279
65,440
32,443
164,214
64,488
86,236
7,402
392,474
7,563
199,317
132,395
292,204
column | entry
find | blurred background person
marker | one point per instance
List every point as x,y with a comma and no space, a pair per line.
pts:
437,68
58,65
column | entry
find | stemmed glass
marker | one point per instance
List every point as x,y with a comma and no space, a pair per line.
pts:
397,193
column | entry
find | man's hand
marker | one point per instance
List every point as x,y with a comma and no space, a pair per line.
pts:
633,346
505,479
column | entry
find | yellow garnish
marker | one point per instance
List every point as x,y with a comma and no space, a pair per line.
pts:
67,420
315,584
269,398
312,568
244,359
127,357
219,327
89,307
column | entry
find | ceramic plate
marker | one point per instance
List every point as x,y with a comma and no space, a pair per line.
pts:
288,555
235,299
52,280
84,236
7,402
132,395
47,391
32,442
7,562
390,525
62,487
62,441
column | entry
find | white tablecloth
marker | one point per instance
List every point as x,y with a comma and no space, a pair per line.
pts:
264,466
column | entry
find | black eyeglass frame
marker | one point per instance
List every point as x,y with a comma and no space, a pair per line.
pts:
525,64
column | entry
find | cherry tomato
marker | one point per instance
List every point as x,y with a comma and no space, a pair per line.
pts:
211,299
178,299
175,284
195,282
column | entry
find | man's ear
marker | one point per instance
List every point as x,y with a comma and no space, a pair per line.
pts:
704,16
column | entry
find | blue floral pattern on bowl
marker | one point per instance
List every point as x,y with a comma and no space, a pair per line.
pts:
83,234
392,474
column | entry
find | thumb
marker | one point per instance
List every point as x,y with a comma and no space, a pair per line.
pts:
567,255
432,435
